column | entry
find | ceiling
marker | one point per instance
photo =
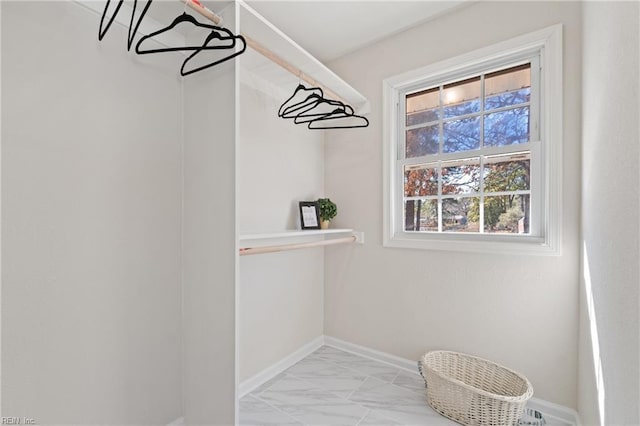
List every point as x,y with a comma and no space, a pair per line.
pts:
329,29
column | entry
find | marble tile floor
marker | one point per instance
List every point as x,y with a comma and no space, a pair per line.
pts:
333,387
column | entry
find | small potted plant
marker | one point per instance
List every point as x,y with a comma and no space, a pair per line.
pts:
328,210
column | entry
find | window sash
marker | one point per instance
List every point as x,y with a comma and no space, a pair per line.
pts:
535,222
534,146
533,104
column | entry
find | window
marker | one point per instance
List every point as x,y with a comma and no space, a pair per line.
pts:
473,150
466,154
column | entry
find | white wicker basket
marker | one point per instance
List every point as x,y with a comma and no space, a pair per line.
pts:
473,391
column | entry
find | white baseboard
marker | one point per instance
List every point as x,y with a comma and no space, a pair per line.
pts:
560,412
549,409
269,373
395,361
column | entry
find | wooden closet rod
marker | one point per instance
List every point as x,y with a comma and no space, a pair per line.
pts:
285,247
266,52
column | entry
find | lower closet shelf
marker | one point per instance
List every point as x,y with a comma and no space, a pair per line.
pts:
294,240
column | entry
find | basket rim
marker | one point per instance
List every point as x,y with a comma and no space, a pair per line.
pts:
524,397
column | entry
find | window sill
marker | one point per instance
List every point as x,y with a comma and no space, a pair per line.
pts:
490,244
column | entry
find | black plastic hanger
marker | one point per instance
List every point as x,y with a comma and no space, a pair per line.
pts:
102,31
214,35
300,89
185,17
329,121
321,113
309,103
320,108
134,29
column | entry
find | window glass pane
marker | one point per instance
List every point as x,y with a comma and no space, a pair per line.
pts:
507,214
458,121
461,98
508,87
422,141
421,180
423,107
456,215
507,127
461,176
509,172
462,135
421,215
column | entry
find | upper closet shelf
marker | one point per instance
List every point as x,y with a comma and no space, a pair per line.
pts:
273,56
285,64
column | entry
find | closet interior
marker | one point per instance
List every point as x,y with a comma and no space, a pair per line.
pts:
159,156
170,151
281,295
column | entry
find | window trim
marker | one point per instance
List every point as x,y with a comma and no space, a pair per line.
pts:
548,44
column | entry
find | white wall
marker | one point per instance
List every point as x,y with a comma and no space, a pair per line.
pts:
281,163
91,196
517,310
281,294
609,379
209,242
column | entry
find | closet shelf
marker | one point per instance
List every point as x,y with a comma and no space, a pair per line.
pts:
291,65
293,240
293,234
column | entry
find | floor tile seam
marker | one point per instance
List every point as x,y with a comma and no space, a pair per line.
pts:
331,363
363,417
362,373
387,416
372,358
254,392
395,377
419,392
385,364
316,386
370,409
346,399
352,392
353,403
278,410
346,368
329,391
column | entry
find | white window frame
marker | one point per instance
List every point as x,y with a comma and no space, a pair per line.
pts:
545,238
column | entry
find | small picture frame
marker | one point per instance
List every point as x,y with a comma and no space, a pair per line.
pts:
309,215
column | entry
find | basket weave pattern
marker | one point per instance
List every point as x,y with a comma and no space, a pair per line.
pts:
473,391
